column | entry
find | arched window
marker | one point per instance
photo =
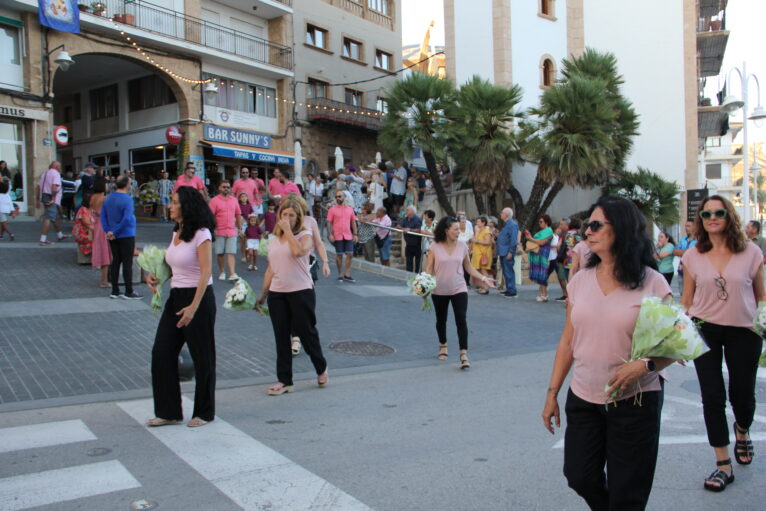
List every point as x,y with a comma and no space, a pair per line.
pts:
547,71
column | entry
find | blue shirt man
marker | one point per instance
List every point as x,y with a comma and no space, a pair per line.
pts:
119,222
506,250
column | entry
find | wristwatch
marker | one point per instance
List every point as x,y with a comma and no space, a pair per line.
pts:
650,365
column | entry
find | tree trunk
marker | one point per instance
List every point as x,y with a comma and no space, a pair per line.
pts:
533,204
481,202
518,202
555,189
492,205
441,194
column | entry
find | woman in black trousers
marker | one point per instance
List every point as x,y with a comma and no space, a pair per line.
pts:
189,315
723,283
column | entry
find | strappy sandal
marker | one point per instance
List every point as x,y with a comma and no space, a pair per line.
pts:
279,389
296,346
442,352
156,422
323,378
743,448
719,479
196,422
464,362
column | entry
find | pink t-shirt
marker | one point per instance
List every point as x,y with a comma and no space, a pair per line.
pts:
448,269
311,224
386,222
194,182
603,332
341,218
275,187
290,187
583,252
289,273
226,212
248,187
740,305
184,261
50,178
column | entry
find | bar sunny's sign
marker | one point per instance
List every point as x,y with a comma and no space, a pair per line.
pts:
215,133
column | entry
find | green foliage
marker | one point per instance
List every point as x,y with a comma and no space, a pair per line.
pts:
655,197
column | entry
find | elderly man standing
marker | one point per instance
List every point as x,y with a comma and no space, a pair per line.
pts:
49,198
412,248
341,228
228,226
383,236
506,250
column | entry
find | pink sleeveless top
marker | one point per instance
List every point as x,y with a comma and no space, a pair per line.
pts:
448,269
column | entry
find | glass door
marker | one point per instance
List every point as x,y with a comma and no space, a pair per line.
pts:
12,153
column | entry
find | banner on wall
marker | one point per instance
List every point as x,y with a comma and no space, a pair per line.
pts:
62,15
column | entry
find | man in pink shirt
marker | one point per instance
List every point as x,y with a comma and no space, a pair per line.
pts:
189,179
245,185
228,221
341,226
49,198
259,192
280,185
383,236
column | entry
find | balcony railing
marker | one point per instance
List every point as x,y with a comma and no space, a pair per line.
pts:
177,25
327,110
360,8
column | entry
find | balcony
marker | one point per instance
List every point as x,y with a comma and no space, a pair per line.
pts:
322,110
709,8
712,37
711,122
179,26
359,8
266,9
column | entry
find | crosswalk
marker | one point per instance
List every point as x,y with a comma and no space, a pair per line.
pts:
250,474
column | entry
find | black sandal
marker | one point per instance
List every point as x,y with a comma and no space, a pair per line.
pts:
464,362
442,352
743,448
719,478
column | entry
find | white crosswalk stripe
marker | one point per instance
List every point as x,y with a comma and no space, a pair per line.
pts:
44,435
251,474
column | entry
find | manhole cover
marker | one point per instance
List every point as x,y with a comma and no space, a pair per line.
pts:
143,505
363,348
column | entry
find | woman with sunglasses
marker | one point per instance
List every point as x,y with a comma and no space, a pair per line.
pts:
620,432
448,261
723,283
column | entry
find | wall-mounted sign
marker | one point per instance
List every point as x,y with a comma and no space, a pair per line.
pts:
243,154
47,142
23,113
61,135
174,135
693,200
215,133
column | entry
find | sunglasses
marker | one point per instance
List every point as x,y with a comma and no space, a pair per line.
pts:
595,225
707,215
720,283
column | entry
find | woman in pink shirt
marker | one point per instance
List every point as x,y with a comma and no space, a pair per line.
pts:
723,283
189,315
448,261
289,289
603,304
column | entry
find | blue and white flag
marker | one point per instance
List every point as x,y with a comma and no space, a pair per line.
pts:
62,15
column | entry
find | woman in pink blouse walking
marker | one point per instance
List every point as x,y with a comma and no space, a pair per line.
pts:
603,304
723,283
448,261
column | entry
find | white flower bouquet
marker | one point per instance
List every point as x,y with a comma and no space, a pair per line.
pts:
152,259
759,327
663,329
241,297
422,285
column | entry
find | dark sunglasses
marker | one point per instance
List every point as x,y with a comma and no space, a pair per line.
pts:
707,215
720,283
595,225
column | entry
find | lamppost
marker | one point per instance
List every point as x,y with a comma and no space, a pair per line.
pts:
730,105
756,170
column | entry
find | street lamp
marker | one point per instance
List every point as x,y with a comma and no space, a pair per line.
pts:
756,170
63,59
730,105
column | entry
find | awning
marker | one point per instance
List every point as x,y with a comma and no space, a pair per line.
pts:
247,153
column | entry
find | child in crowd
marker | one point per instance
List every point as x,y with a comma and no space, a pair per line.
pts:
270,217
7,209
253,235
245,209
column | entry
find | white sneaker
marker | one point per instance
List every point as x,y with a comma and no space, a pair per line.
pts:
250,267
222,276
233,277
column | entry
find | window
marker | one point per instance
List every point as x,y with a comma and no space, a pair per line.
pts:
381,105
353,97
104,102
148,162
380,6
316,36
713,171
109,161
547,8
148,92
547,72
713,142
265,101
352,49
245,97
10,47
383,60
316,89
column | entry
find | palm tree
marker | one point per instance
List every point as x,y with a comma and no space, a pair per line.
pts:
655,197
482,139
415,119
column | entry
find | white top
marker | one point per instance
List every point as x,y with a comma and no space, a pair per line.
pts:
6,204
554,252
399,187
316,190
466,236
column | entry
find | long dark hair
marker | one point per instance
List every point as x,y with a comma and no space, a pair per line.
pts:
632,248
440,231
735,238
99,184
195,212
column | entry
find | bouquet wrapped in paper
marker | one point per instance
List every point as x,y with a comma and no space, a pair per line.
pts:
663,329
152,259
241,297
759,327
422,285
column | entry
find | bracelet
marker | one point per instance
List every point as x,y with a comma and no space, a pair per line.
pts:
553,389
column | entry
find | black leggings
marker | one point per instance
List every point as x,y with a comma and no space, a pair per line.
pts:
460,308
741,348
199,335
122,254
668,277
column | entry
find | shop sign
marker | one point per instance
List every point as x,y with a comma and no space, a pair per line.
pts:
241,154
174,135
693,200
215,133
24,113
61,135
47,142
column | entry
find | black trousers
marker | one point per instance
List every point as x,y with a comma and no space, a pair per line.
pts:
122,254
199,335
294,313
412,256
668,277
459,308
625,438
741,348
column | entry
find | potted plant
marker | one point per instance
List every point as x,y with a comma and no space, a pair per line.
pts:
98,8
83,7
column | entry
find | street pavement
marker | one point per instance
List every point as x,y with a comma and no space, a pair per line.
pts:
395,429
